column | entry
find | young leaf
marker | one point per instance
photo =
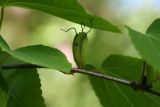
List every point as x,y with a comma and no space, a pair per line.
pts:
116,95
39,55
67,9
148,45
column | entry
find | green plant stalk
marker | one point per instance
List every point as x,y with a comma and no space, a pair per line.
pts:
2,16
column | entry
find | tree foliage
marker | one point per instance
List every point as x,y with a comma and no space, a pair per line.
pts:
20,87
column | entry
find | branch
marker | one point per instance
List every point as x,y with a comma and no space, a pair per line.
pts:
132,84
1,18
103,76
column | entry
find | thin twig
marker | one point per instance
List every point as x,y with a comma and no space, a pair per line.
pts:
20,66
104,76
132,84
1,18
153,92
74,70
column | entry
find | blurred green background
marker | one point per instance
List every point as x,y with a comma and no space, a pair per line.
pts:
24,27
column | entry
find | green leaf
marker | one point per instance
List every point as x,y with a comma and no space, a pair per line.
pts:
39,55
19,87
154,27
4,94
3,91
112,94
4,46
24,88
67,9
98,86
150,75
44,56
127,65
148,45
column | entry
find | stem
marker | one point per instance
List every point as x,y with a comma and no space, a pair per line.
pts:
103,76
20,66
1,19
153,92
132,84
143,72
74,70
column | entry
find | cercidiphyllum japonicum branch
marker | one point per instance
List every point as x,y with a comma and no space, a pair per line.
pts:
133,84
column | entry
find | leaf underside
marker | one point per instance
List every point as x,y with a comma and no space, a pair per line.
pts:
67,9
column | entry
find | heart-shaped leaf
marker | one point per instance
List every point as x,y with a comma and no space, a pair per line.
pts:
112,94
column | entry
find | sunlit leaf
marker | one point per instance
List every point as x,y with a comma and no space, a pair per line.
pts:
40,55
